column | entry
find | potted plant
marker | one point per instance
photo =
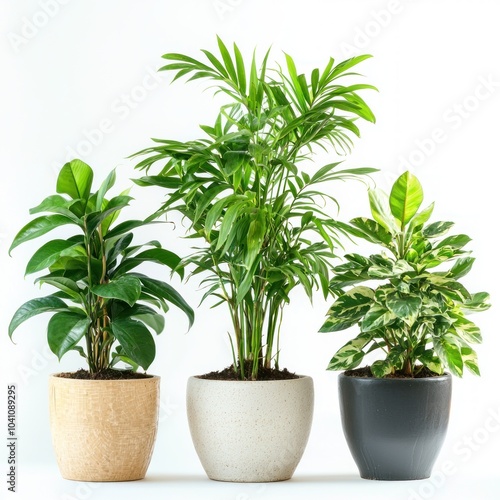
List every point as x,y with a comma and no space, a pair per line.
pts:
103,420
263,232
395,412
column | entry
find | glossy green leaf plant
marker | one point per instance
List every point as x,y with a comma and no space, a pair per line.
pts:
259,217
417,315
100,300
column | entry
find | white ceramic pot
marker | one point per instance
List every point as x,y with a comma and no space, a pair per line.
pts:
247,431
103,430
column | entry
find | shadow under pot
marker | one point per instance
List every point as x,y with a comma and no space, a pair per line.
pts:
103,430
395,428
250,431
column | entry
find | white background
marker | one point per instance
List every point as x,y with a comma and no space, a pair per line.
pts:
90,65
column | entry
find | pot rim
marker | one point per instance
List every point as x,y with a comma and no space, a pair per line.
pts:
128,380
242,382
421,380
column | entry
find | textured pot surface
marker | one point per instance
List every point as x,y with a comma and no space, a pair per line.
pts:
250,431
395,427
103,430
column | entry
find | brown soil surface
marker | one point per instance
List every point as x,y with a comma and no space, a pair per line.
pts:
366,373
108,374
264,374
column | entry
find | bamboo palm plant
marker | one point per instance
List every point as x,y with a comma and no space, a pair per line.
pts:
262,219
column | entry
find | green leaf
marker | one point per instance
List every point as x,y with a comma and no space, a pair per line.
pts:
348,309
157,255
467,330
65,284
49,253
115,205
477,302
56,204
469,357
75,179
165,291
406,307
381,368
155,321
422,217
455,291
456,241
376,317
34,307
461,267
449,353
351,354
379,205
371,231
240,67
394,361
437,229
105,187
228,62
136,341
401,266
323,172
126,226
65,330
38,227
255,238
406,197
208,197
232,213
215,212
429,359
145,314
126,288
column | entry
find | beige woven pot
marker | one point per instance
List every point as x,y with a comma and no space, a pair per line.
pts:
250,431
103,430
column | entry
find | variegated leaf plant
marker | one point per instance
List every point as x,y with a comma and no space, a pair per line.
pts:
417,315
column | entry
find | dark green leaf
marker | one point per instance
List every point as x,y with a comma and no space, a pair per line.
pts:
34,307
158,255
165,291
49,253
65,330
38,227
126,288
136,340
65,284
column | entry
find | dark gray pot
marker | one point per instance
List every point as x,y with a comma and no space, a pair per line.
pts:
395,427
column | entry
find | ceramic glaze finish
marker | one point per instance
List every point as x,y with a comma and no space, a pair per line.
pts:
250,431
395,427
103,430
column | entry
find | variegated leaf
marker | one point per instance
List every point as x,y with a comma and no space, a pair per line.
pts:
351,354
376,317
